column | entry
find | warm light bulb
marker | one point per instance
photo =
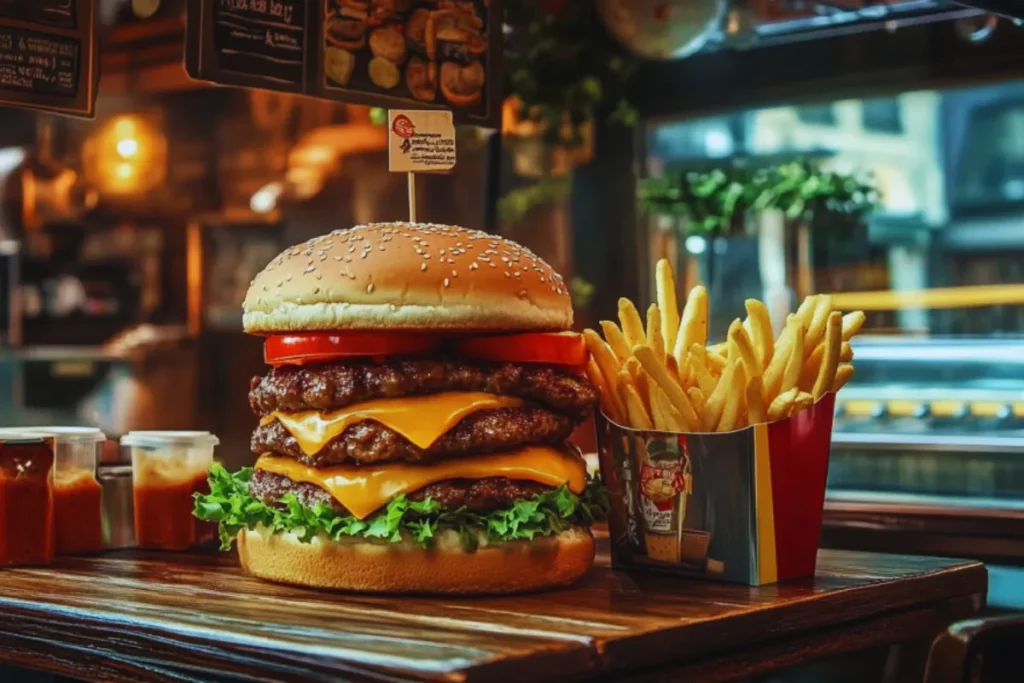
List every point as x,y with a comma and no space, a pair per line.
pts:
125,170
125,127
264,200
127,147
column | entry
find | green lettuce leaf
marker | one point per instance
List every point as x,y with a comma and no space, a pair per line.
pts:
230,504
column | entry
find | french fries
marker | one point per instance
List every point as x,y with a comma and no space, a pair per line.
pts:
734,399
843,375
667,304
782,405
654,338
607,370
632,326
739,340
660,373
635,409
616,340
830,359
693,324
756,411
822,309
852,322
760,330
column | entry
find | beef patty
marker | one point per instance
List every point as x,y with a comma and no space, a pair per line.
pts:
476,495
331,386
369,441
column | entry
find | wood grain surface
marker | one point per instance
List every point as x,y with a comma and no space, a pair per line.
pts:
171,617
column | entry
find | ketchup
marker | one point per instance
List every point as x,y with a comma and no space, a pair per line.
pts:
26,503
77,513
163,514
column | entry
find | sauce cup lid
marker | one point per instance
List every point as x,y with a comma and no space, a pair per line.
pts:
158,439
22,435
76,435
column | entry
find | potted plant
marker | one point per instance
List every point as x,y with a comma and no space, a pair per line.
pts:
786,205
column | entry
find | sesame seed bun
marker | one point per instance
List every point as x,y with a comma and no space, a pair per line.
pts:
514,567
410,276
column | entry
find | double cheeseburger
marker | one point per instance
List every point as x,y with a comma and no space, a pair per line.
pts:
414,424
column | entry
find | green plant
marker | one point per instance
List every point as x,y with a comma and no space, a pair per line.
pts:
581,291
515,204
716,201
801,189
562,66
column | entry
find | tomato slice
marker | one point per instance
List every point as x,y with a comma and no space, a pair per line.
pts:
318,347
556,348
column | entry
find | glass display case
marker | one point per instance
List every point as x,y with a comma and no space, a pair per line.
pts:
928,448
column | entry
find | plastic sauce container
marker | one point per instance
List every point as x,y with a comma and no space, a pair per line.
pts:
77,495
168,468
26,498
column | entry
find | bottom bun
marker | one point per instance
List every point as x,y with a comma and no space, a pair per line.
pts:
358,565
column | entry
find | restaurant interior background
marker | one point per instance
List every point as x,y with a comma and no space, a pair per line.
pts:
129,240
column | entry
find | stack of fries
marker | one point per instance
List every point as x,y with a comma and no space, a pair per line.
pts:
664,376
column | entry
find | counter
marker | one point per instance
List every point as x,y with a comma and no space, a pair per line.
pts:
132,615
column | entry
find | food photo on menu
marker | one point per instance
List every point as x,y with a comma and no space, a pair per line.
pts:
425,50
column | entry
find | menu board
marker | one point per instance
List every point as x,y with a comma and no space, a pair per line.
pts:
422,54
48,57
60,13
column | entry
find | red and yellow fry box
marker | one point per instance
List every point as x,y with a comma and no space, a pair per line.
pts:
743,507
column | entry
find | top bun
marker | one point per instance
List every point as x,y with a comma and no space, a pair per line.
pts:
410,276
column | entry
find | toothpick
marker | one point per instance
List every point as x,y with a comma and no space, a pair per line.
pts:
412,197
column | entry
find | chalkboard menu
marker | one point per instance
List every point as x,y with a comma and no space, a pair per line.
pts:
421,54
48,57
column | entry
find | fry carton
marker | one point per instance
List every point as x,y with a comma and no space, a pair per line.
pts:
742,507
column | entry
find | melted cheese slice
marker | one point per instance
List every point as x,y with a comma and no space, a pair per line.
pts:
363,489
420,419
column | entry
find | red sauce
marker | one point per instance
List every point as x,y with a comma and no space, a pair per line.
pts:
77,514
26,504
163,514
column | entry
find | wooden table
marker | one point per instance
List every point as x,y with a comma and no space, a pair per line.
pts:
131,615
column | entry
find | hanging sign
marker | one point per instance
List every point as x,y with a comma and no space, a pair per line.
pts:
48,58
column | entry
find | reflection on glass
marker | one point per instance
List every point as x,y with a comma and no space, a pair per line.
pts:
938,267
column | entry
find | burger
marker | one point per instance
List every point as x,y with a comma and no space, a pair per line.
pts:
414,423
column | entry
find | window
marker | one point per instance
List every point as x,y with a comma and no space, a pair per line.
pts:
882,115
821,115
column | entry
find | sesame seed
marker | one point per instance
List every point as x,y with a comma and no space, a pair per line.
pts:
319,276
316,290
455,273
288,279
517,273
474,266
423,266
369,288
363,255
337,258
492,265
446,282
508,274
426,256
